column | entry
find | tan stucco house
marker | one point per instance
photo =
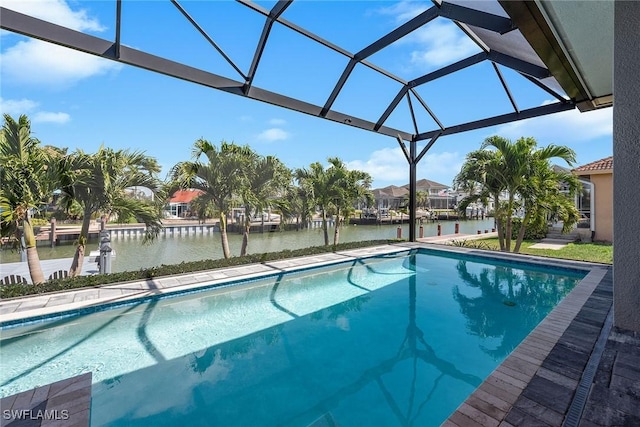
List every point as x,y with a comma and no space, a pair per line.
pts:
598,176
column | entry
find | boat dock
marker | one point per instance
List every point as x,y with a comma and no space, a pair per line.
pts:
60,234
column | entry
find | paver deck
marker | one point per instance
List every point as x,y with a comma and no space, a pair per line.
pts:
65,403
539,383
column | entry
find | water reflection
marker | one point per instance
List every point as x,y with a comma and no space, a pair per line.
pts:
415,347
217,354
496,298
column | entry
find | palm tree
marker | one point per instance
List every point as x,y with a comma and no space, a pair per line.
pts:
322,185
202,207
422,199
542,195
481,176
219,178
265,178
26,172
523,165
98,182
334,187
355,186
295,202
523,172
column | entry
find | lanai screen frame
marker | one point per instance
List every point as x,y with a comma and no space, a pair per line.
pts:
465,18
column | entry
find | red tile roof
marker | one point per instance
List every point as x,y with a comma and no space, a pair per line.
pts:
598,165
185,196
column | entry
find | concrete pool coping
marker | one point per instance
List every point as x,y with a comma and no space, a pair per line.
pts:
501,400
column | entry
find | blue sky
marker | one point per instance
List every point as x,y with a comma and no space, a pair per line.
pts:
78,101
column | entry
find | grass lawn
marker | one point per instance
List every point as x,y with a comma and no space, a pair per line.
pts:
592,252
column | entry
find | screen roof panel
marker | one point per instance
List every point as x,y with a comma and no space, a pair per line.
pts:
366,32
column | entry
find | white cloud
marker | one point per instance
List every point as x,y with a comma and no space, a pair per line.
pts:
277,122
562,128
273,134
56,11
36,62
404,10
389,166
440,43
48,117
441,167
17,107
436,44
40,63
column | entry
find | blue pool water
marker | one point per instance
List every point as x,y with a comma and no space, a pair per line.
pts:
382,341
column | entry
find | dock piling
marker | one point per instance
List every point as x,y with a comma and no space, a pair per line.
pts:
52,233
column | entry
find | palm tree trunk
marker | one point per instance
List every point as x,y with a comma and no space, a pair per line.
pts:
33,261
324,227
223,235
508,227
499,224
500,228
336,233
245,235
523,229
507,232
78,257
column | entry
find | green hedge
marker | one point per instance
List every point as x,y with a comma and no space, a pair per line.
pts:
12,291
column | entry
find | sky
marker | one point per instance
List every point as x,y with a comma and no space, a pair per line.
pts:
78,101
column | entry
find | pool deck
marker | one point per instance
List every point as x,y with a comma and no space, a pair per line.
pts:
574,369
65,403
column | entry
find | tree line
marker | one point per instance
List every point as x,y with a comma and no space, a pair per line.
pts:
515,176
228,176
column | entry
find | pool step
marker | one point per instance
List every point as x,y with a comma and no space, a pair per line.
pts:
557,234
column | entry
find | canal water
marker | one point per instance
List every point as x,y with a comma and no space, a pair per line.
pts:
132,254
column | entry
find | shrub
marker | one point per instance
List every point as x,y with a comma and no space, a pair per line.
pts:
535,230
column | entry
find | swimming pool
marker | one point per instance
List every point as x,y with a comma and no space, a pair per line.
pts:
388,341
